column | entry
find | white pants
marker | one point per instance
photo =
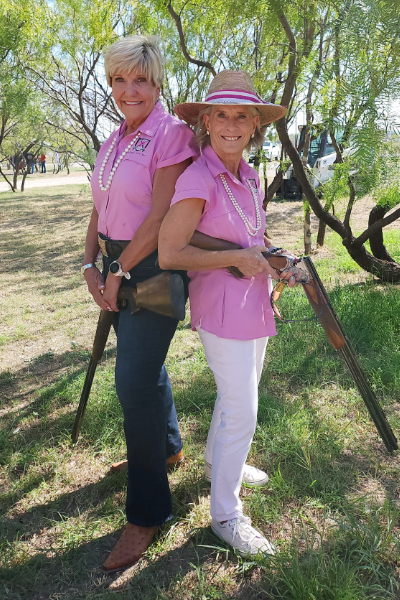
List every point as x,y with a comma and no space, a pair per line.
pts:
237,367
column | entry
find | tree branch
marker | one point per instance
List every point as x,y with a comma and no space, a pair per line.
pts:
375,227
178,22
9,182
291,78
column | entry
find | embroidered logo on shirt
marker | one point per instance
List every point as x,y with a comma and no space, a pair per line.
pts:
252,184
141,144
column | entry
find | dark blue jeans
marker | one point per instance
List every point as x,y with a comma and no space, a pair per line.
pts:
144,391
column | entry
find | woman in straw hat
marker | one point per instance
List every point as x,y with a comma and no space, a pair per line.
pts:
132,185
220,195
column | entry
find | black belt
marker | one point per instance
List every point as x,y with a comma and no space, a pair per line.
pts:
110,247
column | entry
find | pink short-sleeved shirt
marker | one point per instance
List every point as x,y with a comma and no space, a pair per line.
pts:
220,303
164,141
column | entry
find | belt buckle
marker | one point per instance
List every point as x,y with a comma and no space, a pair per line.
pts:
102,244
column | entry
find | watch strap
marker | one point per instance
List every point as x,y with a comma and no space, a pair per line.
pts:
87,266
120,272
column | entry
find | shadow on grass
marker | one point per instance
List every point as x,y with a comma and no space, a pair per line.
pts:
46,367
77,572
303,456
94,499
54,247
55,571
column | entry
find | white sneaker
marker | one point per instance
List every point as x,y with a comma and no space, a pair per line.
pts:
251,476
240,534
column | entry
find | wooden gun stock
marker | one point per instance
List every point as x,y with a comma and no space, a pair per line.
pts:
320,303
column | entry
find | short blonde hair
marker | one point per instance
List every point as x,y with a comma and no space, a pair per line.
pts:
135,53
203,139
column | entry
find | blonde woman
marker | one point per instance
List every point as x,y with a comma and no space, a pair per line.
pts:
132,185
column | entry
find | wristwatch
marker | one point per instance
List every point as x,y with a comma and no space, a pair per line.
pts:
84,267
116,269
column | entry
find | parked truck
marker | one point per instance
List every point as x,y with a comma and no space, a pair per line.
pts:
321,158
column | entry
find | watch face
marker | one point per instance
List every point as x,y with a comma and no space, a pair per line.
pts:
114,267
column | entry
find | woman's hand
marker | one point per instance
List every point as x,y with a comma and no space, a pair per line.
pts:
251,262
111,291
289,276
95,282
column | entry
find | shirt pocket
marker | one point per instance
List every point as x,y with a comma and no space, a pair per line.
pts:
135,177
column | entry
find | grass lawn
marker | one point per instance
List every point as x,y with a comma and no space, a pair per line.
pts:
332,503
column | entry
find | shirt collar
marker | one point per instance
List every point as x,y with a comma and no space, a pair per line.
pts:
216,166
152,122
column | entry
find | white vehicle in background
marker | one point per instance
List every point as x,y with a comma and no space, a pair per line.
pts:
321,159
322,170
272,151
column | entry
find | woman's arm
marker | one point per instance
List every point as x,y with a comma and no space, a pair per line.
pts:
174,251
145,240
93,277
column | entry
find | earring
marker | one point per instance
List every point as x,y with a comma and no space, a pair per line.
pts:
252,135
208,133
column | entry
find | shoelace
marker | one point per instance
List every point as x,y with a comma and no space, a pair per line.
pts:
242,519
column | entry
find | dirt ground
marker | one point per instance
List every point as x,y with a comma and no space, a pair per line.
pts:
285,222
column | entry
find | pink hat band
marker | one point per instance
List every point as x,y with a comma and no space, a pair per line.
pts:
233,97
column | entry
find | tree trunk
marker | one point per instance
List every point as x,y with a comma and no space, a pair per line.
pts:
307,229
378,248
384,270
321,233
273,188
15,178
23,180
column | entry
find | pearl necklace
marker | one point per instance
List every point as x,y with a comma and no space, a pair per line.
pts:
104,188
251,230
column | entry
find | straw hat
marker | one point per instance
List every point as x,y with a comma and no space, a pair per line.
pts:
231,87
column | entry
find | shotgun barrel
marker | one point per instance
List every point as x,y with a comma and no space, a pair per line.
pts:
103,329
328,319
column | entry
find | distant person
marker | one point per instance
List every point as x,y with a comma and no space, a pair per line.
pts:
43,163
56,163
30,163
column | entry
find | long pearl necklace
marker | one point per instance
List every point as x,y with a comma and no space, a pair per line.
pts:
104,188
251,230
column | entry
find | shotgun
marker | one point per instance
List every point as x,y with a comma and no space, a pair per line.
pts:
322,307
163,294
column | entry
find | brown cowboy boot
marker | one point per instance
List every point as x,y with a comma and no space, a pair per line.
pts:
130,547
172,462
